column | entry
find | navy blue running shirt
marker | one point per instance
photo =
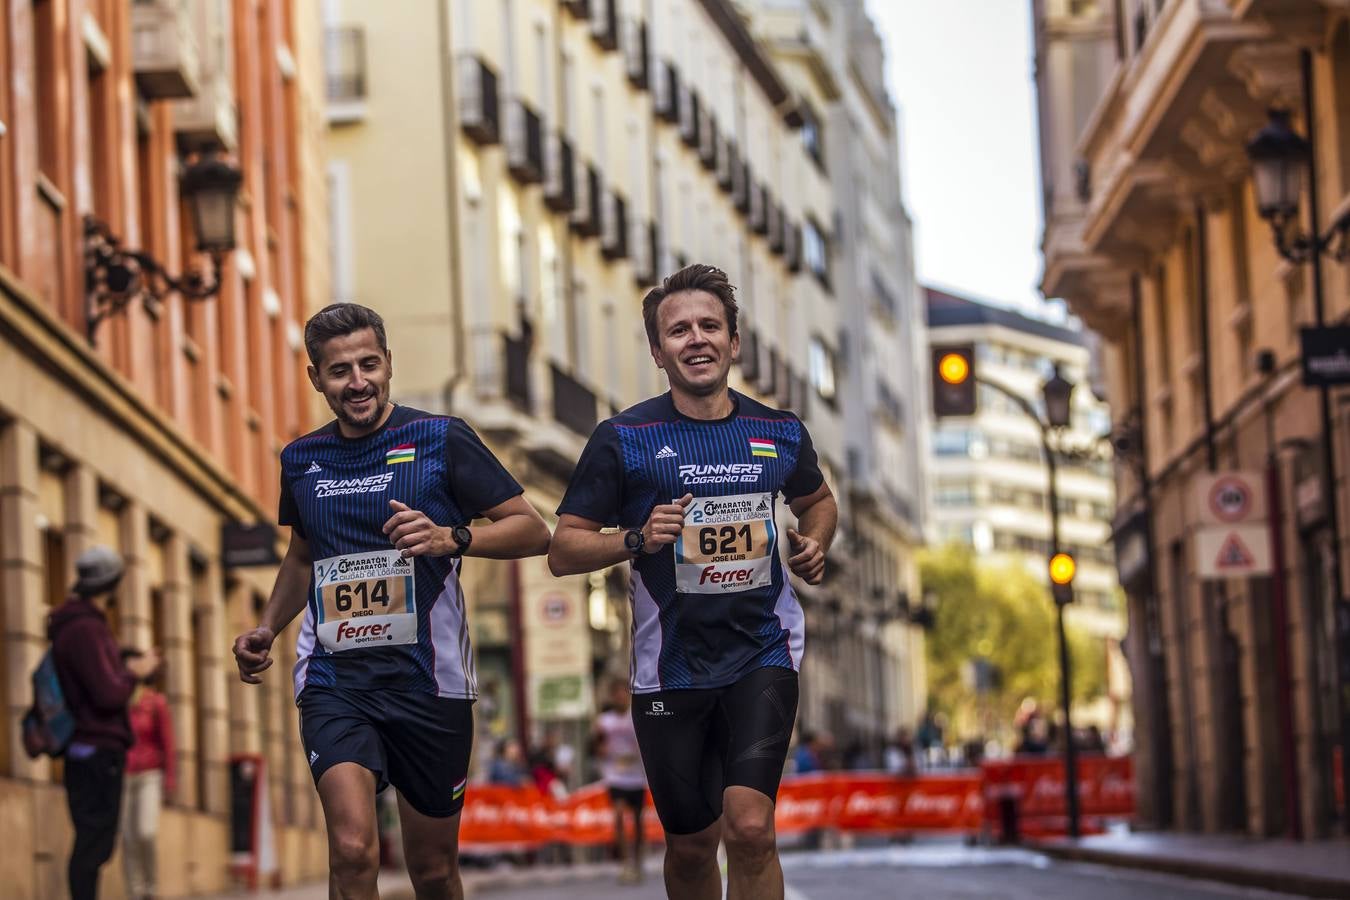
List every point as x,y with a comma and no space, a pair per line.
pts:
717,604
375,619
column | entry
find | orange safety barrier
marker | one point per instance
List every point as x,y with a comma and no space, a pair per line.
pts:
959,802
1105,791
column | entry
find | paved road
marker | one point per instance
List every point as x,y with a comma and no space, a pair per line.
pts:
938,872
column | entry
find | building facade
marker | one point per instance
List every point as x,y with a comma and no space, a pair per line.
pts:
988,484
153,430
833,58
508,180
1154,238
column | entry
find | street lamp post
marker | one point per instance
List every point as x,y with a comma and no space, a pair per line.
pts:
1282,162
1057,393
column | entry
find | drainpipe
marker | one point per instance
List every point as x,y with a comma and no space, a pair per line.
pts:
449,136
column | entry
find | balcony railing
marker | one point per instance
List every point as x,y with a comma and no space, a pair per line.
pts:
479,112
501,367
516,374
605,23
164,50
524,143
637,57
345,65
707,141
666,94
645,242
560,177
573,403
614,228
689,118
728,161
759,209
586,218
777,229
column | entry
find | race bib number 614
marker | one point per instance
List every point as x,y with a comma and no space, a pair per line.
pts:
365,600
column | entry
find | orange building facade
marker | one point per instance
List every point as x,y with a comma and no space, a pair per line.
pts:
162,431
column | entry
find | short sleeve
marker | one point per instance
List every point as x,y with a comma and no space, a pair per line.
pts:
288,513
806,478
478,481
596,489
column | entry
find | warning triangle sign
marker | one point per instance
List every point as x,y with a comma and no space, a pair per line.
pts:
1234,554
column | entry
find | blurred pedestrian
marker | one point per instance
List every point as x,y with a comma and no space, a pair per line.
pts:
508,765
545,774
806,759
97,686
616,746
150,776
900,755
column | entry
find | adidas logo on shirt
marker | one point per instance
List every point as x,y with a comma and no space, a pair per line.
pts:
763,506
313,467
665,453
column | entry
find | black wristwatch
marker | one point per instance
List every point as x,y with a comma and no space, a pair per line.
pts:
634,540
463,537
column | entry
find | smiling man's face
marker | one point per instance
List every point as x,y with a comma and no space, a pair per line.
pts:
353,375
696,348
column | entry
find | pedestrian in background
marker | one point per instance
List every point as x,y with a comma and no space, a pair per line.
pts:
508,765
97,686
616,746
150,776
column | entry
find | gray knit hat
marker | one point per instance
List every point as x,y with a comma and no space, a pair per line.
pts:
99,569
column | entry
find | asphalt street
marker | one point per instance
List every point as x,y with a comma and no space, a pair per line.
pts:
936,872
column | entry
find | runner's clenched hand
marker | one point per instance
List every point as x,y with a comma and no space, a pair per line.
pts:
808,560
665,524
413,532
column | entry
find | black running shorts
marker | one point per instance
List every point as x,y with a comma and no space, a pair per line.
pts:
417,742
697,743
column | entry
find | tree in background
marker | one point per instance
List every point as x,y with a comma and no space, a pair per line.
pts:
993,644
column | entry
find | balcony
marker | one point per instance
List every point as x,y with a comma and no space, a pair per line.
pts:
768,376
560,176
163,50
207,121
740,187
792,246
516,374
605,23
689,118
759,209
749,356
666,94
501,379
586,217
614,227
524,143
573,403
479,113
579,8
707,141
345,74
776,229
645,241
636,54
727,163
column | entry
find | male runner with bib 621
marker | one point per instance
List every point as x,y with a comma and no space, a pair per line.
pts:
380,502
691,478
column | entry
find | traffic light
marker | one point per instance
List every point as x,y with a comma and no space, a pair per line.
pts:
1062,570
953,378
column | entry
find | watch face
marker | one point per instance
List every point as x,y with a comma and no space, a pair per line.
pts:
463,535
633,540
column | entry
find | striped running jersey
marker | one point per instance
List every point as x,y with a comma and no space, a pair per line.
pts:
375,619
717,604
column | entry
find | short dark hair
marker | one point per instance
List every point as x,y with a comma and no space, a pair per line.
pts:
695,277
338,320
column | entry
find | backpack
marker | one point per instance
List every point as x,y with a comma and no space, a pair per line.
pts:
48,726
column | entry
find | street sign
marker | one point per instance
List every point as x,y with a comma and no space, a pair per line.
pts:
1325,355
1233,551
1231,498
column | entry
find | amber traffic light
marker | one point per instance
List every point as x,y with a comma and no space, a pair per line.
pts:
953,378
1062,570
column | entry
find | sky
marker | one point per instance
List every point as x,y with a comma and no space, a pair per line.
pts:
960,72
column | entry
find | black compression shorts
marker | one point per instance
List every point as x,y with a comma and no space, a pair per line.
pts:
697,743
417,742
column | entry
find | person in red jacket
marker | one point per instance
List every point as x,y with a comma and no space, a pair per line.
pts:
151,773
97,686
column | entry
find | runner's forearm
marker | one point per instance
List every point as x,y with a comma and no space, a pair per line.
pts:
819,521
577,550
510,537
290,593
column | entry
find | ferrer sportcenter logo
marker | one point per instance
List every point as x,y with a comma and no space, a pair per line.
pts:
333,487
734,473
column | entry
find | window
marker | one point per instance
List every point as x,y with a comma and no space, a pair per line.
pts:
816,251
821,363
811,137
953,442
954,494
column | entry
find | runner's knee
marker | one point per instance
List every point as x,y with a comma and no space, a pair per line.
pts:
693,849
353,851
748,832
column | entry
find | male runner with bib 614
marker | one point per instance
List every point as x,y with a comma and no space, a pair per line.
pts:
691,478
380,502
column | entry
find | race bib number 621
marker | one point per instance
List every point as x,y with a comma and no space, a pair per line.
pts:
365,600
726,545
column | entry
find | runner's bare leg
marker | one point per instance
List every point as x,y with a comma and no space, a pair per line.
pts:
753,870
347,792
431,851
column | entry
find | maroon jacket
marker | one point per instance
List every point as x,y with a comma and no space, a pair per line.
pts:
97,686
